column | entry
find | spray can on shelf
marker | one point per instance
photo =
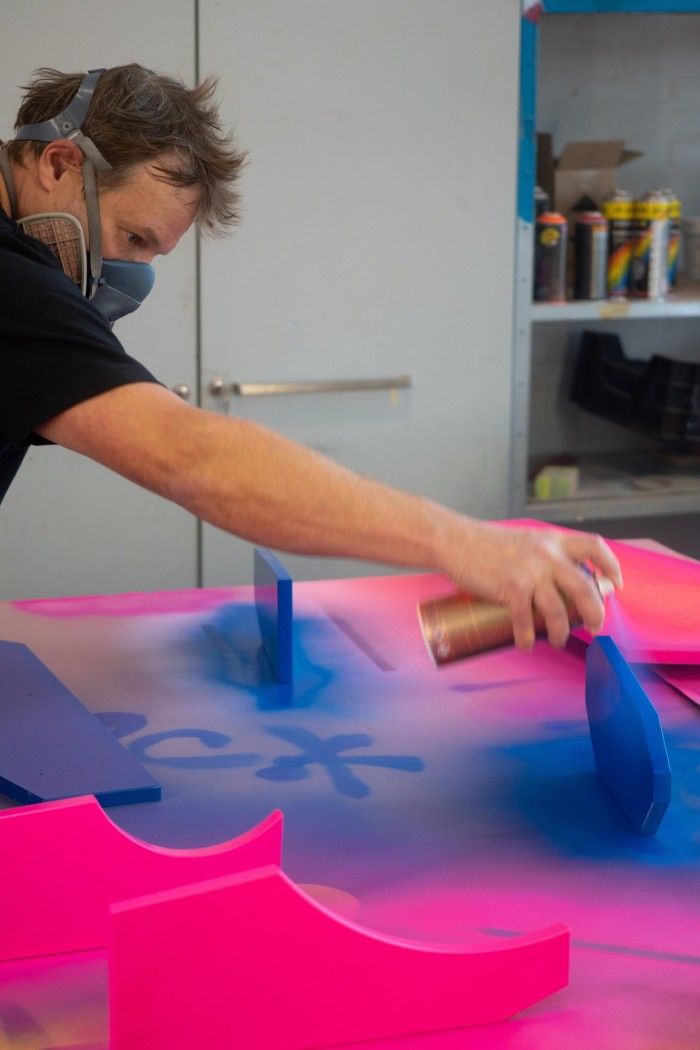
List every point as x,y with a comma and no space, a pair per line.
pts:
674,237
618,209
550,258
457,626
591,256
541,201
650,252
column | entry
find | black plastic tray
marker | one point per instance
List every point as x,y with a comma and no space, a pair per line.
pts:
659,397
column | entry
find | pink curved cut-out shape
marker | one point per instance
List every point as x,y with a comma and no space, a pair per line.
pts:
250,961
64,863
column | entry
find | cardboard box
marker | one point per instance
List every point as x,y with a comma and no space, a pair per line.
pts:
583,169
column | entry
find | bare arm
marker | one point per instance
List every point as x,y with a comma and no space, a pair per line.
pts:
252,482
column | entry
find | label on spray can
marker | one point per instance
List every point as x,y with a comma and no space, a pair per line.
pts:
591,256
618,209
550,258
650,254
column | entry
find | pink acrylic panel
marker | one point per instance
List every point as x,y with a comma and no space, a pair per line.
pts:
65,862
251,961
655,618
685,679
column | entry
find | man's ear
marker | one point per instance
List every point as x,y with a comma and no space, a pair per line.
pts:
56,159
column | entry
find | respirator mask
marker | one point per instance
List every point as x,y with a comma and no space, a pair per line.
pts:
114,286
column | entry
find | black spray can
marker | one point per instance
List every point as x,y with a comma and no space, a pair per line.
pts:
541,201
550,258
591,256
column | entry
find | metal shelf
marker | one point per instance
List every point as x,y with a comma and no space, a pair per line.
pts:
623,485
685,303
609,488
582,509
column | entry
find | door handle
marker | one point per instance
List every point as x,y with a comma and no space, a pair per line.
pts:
320,386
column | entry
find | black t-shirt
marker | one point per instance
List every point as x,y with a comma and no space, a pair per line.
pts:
55,349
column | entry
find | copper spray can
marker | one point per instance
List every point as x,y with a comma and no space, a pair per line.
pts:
458,626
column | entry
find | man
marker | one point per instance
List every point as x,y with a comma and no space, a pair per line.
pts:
136,158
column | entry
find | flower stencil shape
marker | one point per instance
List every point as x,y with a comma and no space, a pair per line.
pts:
330,755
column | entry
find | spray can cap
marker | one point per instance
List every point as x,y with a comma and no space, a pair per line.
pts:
605,585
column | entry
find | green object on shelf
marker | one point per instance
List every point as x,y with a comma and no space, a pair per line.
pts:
556,482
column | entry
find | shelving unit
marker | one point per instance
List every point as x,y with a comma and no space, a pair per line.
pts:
631,478
685,303
622,485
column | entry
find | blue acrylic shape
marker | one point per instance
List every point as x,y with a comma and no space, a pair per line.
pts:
52,747
628,742
273,603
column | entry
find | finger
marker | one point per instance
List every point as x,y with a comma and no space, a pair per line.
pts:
583,597
523,616
584,546
553,610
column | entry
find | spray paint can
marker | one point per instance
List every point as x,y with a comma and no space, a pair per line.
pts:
618,209
591,256
650,252
541,201
457,626
550,258
674,237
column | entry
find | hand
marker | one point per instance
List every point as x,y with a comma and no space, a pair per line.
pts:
528,569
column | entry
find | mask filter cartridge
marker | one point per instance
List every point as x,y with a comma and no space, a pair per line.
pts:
122,285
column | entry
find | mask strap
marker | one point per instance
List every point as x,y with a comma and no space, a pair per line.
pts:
94,224
8,178
66,125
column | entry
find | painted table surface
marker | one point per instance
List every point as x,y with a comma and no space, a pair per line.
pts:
455,805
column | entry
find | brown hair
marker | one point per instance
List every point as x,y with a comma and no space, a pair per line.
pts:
138,116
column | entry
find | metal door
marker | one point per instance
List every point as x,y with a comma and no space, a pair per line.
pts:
376,242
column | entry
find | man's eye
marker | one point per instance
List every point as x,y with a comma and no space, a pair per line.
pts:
133,238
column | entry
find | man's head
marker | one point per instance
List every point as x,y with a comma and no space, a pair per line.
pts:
110,169
138,119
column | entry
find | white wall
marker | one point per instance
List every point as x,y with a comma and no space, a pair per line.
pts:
378,236
627,76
